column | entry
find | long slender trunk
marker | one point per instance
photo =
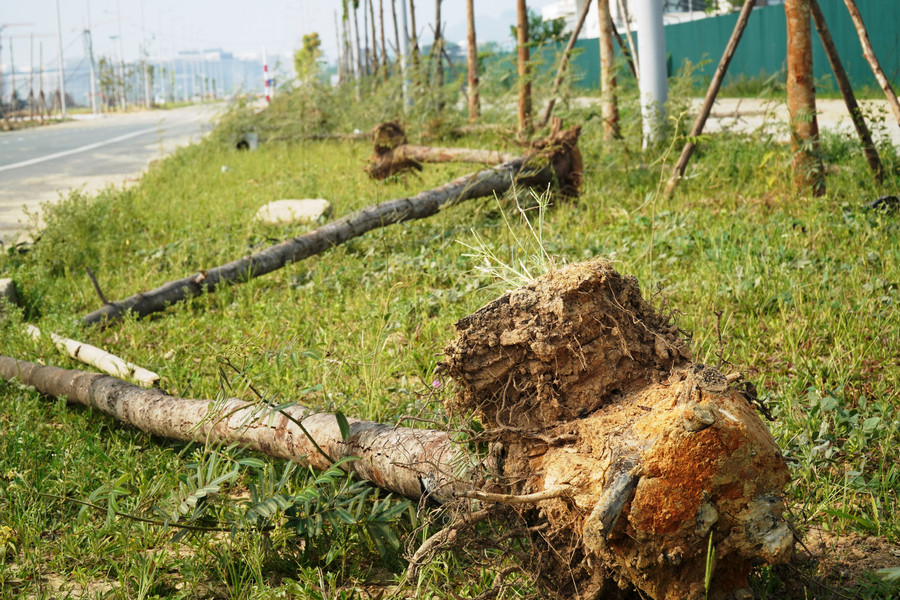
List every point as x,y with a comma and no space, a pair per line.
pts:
359,56
384,50
524,70
414,38
869,53
807,165
438,58
396,30
474,100
374,51
608,72
399,459
340,53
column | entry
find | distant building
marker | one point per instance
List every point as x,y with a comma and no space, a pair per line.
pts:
675,11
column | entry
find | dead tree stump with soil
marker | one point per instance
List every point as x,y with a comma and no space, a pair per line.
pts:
586,386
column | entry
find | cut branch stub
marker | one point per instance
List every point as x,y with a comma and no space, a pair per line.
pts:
590,389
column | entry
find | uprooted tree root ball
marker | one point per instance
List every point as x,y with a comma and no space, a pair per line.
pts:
589,389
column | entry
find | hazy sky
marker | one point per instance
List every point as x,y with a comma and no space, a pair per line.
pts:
245,28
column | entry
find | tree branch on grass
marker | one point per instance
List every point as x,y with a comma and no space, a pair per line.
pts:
553,160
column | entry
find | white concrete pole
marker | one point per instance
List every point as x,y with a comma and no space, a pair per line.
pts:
59,58
653,81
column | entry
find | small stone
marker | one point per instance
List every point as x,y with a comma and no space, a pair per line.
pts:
282,212
8,290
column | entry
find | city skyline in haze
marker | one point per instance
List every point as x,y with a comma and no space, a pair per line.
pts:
132,29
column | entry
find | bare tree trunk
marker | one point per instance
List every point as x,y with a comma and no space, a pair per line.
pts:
807,165
384,50
405,461
350,54
340,53
359,55
608,72
840,75
414,38
524,68
561,153
437,56
408,157
711,94
564,63
869,53
474,99
396,30
374,39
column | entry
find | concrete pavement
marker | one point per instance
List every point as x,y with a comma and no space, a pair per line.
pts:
39,165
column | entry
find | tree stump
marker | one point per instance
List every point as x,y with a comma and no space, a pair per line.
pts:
586,386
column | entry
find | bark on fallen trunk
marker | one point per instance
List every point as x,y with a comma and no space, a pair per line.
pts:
410,462
556,161
409,157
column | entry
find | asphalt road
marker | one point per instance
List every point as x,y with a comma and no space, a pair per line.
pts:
39,164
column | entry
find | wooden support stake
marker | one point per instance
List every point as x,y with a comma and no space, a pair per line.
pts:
711,95
840,75
564,63
869,53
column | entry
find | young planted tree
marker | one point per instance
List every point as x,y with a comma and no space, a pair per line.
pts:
608,72
374,52
524,69
474,99
437,58
414,35
396,30
360,60
384,50
808,173
306,59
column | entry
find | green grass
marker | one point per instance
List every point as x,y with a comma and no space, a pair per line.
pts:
808,290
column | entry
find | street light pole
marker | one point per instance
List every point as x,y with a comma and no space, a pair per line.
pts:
59,58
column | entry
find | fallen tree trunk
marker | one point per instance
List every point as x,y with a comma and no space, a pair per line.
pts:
558,160
393,155
586,389
410,462
409,157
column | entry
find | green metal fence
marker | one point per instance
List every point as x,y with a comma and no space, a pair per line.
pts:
763,48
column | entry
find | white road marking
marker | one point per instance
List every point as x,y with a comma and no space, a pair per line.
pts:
41,159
